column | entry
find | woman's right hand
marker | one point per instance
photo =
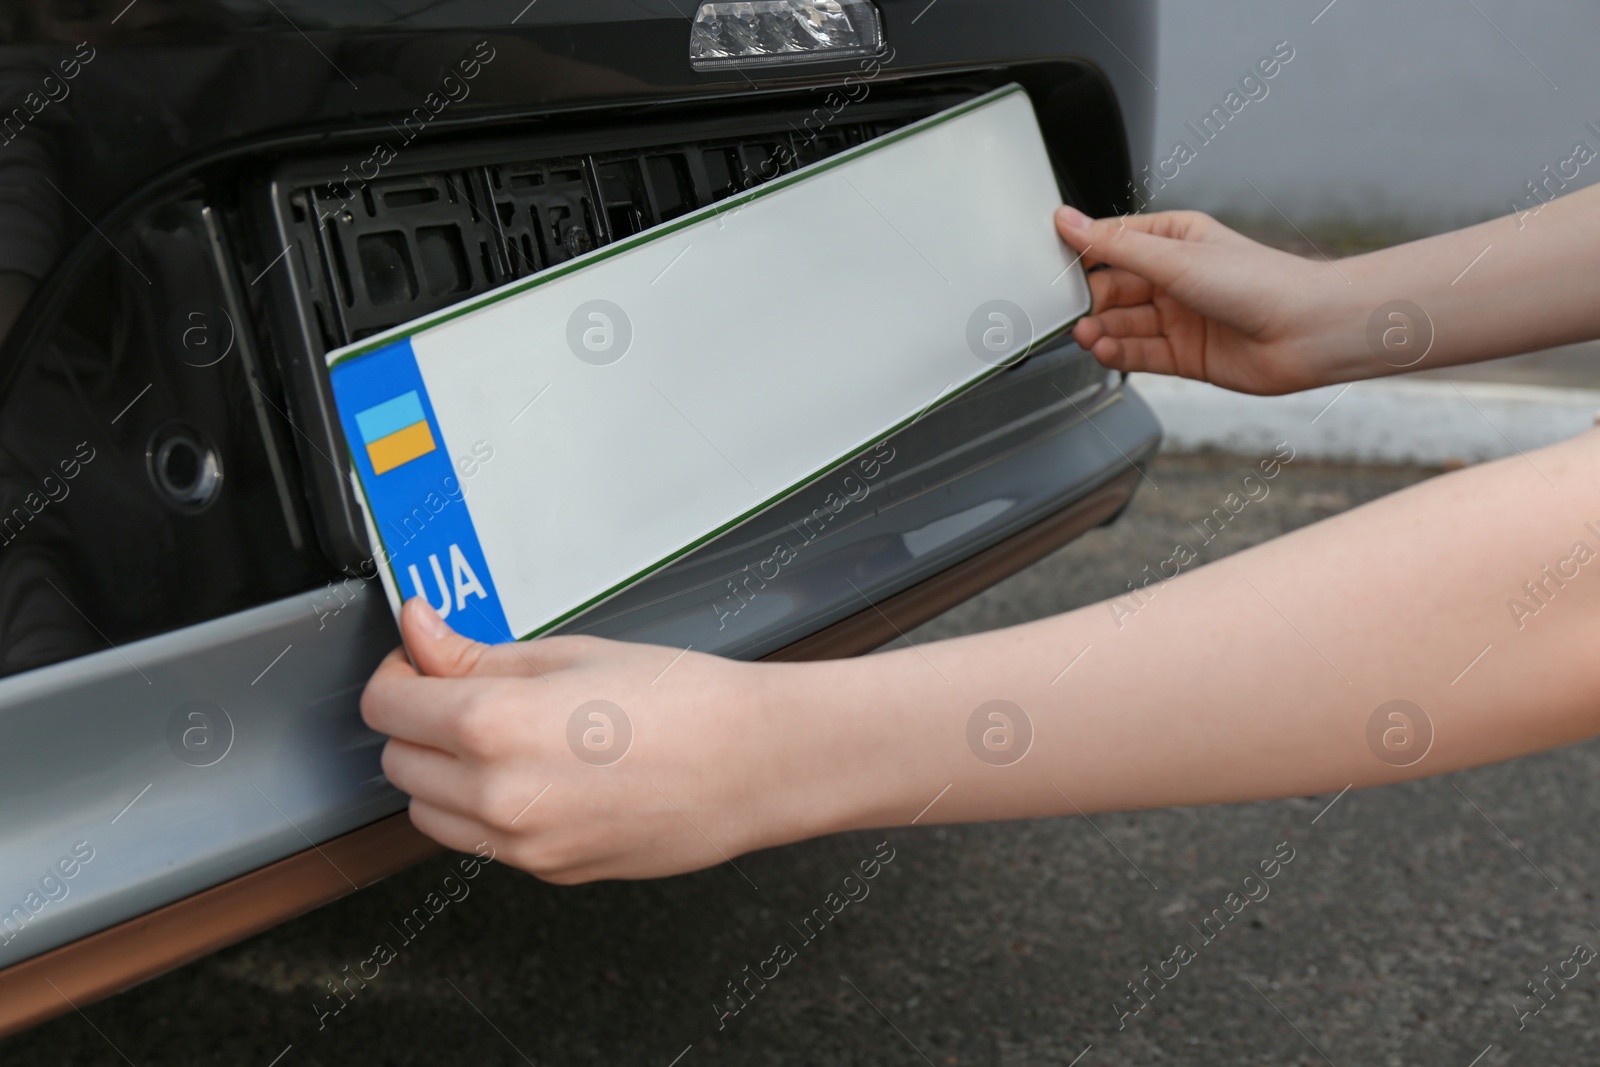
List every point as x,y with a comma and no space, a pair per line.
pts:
1185,295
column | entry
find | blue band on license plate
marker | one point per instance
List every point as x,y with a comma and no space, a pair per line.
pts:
414,499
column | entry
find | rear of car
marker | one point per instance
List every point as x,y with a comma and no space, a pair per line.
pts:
199,199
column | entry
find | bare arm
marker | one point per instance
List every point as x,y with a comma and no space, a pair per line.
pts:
1185,295
1257,676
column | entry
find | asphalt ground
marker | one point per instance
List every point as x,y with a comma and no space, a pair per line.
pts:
1402,931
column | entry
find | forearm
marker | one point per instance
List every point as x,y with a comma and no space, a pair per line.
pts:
1253,677
1506,286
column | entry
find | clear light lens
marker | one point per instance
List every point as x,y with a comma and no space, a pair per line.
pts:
779,31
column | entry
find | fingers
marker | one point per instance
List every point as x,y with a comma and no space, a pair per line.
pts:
465,834
1141,321
448,828
1119,288
396,665
1101,333
1144,354
440,652
494,797
1153,354
429,773
400,702
1194,226
1160,248
425,711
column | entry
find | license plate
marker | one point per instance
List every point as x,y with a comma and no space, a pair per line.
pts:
527,454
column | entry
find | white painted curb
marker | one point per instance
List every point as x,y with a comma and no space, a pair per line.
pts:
1390,420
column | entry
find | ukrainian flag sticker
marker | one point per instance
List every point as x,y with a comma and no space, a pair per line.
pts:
400,455
395,432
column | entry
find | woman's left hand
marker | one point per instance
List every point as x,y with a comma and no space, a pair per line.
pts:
578,758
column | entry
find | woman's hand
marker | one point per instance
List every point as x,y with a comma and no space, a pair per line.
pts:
578,758
1185,295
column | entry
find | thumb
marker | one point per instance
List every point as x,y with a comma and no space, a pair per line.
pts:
437,650
1126,243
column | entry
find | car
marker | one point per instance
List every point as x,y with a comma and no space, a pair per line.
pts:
200,198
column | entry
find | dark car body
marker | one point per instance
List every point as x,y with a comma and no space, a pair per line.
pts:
199,198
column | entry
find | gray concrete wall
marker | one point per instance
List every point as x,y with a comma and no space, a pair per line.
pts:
1417,112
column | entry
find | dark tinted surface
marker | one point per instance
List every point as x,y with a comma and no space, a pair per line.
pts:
141,484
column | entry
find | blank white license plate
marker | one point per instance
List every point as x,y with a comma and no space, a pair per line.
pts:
529,453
